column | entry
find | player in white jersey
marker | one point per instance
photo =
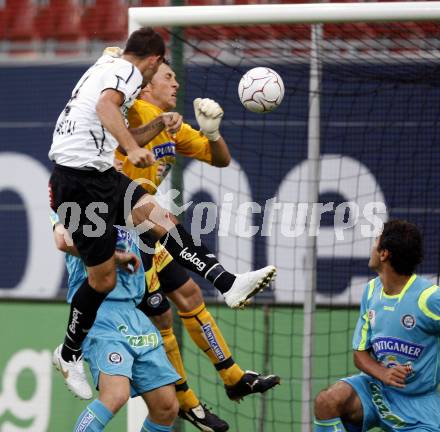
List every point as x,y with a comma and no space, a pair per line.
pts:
395,345
91,197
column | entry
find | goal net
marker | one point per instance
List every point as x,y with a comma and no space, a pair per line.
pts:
362,95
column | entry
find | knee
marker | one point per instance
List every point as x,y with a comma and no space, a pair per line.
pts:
163,321
165,412
116,401
188,297
328,404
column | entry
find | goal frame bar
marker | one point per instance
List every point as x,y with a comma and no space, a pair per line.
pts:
318,13
282,14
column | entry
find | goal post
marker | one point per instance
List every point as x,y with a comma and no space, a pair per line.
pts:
282,13
319,166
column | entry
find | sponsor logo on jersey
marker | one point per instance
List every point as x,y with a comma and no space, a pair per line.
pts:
161,257
383,409
150,340
124,240
153,283
166,149
390,361
115,358
408,321
85,422
155,300
391,345
193,259
212,341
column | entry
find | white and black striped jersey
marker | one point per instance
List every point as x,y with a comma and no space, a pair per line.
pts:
79,139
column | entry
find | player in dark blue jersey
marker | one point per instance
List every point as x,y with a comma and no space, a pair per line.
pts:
396,346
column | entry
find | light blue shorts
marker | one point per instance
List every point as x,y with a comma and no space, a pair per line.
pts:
124,342
394,411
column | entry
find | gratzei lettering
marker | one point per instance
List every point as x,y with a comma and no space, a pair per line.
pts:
138,341
65,127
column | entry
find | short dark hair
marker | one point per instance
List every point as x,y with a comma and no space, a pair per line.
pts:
404,242
145,42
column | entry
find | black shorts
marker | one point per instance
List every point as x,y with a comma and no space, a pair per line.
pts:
163,275
95,203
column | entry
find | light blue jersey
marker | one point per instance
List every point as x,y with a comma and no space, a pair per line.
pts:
403,329
128,286
400,329
123,341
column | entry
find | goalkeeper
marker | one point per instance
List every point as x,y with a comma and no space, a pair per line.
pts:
164,276
396,346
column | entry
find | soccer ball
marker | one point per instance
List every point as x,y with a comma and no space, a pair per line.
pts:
261,90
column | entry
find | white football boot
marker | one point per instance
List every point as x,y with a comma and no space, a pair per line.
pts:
74,374
248,284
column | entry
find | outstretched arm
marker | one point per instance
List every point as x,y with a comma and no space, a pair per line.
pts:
209,115
220,153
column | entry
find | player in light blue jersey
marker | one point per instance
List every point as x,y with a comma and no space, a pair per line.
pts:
123,348
396,346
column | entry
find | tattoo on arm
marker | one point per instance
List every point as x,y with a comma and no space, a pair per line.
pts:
154,125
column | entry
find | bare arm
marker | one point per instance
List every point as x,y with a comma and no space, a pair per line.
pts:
108,110
220,153
127,261
394,376
147,132
63,241
143,134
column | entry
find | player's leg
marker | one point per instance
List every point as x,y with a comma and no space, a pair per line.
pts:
83,309
156,306
79,190
195,256
114,392
162,409
191,408
337,405
204,331
154,378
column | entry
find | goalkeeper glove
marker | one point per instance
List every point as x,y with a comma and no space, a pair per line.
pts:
208,114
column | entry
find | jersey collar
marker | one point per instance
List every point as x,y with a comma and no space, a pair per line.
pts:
399,296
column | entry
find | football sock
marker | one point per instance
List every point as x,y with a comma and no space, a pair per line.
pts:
204,331
198,259
150,426
330,425
94,418
186,397
83,310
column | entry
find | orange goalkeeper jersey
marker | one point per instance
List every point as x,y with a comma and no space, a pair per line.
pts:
187,142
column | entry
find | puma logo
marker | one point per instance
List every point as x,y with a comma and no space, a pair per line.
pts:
252,385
